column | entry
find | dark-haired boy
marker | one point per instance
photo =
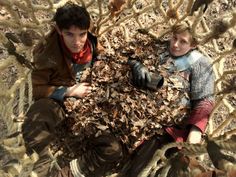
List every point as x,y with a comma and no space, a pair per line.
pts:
59,62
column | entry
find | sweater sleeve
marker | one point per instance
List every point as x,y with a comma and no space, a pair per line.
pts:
202,91
202,79
200,114
199,118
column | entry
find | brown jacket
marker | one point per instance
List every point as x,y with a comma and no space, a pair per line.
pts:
54,66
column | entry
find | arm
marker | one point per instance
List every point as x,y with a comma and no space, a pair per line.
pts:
202,90
45,67
48,81
41,86
198,120
140,74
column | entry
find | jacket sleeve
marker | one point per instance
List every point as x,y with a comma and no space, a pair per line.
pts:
40,82
45,68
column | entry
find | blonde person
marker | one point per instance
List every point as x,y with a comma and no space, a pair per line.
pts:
192,70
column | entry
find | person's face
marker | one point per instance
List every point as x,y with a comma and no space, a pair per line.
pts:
74,38
180,44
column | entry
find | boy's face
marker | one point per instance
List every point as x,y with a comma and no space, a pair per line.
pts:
74,38
180,44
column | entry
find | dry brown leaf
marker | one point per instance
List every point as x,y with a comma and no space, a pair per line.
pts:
115,6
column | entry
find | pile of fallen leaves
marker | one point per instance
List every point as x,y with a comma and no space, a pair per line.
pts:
116,106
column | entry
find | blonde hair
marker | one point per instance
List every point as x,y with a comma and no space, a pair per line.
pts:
182,27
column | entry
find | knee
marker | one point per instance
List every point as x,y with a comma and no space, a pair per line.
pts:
44,104
45,110
115,149
109,148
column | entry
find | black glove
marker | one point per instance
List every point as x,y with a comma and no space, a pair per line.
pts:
141,76
157,82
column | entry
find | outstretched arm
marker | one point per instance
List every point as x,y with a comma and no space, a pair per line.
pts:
202,91
198,120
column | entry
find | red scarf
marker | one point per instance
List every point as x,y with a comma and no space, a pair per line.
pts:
82,57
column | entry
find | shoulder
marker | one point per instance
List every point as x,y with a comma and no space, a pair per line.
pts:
45,43
97,47
92,38
47,50
200,59
203,68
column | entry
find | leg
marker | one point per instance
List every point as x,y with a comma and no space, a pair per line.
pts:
102,155
39,128
143,155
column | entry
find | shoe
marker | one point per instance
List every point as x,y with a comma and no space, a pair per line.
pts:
75,169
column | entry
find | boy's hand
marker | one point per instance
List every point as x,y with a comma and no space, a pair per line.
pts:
141,76
195,135
79,90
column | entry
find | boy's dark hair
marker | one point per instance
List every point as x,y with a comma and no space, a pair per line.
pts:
72,15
